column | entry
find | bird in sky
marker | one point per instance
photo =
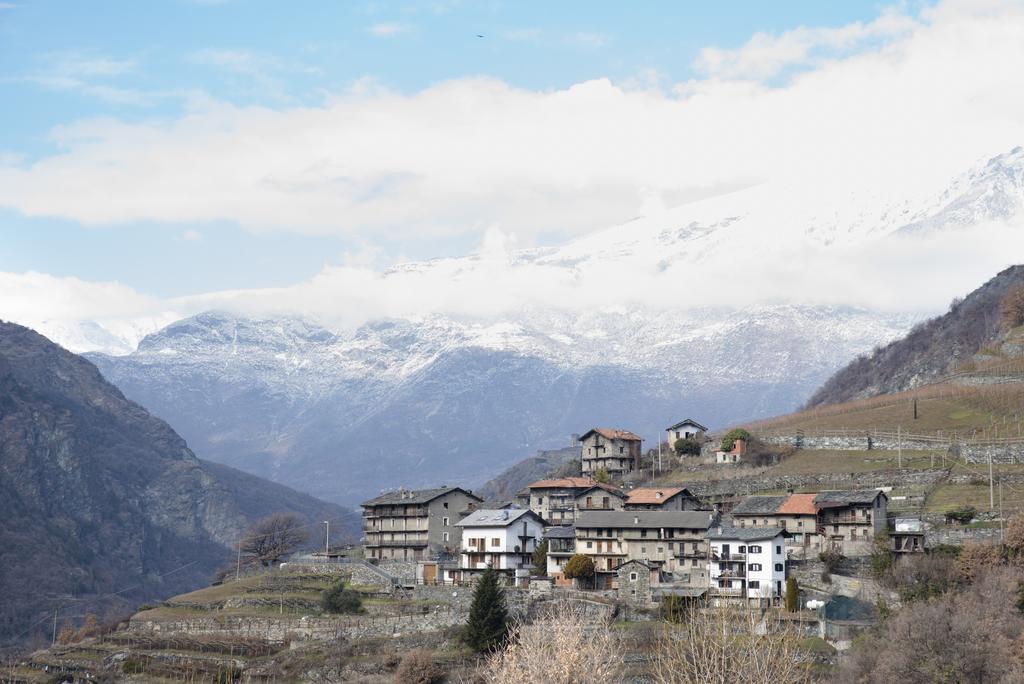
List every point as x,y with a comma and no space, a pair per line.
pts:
479,35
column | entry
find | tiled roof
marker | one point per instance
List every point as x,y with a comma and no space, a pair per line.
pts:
745,533
700,520
415,496
847,497
653,495
688,421
614,433
759,505
489,517
799,504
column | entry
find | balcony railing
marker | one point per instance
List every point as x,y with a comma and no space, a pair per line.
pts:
728,591
392,542
395,512
731,556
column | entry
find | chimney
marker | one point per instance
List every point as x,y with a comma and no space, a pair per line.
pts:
504,514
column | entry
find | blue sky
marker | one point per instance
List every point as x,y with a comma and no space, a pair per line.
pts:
140,62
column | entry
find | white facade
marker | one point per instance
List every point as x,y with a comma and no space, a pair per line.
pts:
744,566
501,539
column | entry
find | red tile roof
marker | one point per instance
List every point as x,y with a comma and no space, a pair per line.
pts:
799,504
650,495
615,433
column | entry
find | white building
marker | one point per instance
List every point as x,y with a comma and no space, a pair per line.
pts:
747,563
502,539
685,429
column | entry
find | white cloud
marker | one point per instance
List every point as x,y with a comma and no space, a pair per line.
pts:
192,235
765,55
387,30
88,75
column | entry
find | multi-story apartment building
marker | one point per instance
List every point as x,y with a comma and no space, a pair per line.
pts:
561,547
747,564
616,451
662,499
502,539
414,524
674,541
555,500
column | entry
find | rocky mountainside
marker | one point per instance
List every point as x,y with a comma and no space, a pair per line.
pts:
434,401
104,505
929,351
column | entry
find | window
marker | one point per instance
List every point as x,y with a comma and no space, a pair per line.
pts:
778,549
590,545
621,450
643,533
495,541
799,523
446,504
755,549
693,562
661,549
754,584
741,549
778,567
444,521
755,567
632,577
643,549
540,500
445,536
605,503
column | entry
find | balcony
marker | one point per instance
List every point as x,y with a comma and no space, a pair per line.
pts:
395,512
731,556
392,543
728,591
845,520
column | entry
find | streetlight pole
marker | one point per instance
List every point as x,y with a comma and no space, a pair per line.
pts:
327,538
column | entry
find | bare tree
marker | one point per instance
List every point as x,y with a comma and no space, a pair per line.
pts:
272,538
562,646
730,644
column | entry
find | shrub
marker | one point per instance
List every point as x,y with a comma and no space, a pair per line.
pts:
579,566
729,440
975,558
792,595
918,577
962,515
487,626
133,666
1014,538
418,667
601,475
675,608
832,559
687,447
338,599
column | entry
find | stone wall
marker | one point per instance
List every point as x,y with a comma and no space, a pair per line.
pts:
1012,452
744,486
403,570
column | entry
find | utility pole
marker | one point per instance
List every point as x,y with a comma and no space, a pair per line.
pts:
54,640
659,454
991,488
899,447
238,563
327,538
1001,511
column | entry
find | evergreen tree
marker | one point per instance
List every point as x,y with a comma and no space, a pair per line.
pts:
488,618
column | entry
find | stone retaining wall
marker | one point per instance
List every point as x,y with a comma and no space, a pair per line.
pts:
972,453
744,486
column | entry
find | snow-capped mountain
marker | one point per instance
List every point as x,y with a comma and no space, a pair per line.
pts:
473,362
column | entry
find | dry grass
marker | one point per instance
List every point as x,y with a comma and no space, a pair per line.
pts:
994,411
813,461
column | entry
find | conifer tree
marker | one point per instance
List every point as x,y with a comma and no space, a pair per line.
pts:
488,618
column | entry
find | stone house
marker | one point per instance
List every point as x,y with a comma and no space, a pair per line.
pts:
636,582
662,499
795,513
502,539
673,541
617,451
747,564
849,520
600,497
413,525
685,429
556,500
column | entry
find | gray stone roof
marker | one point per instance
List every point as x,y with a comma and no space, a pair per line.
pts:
745,533
757,505
415,496
489,517
847,497
561,532
700,520
688,421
